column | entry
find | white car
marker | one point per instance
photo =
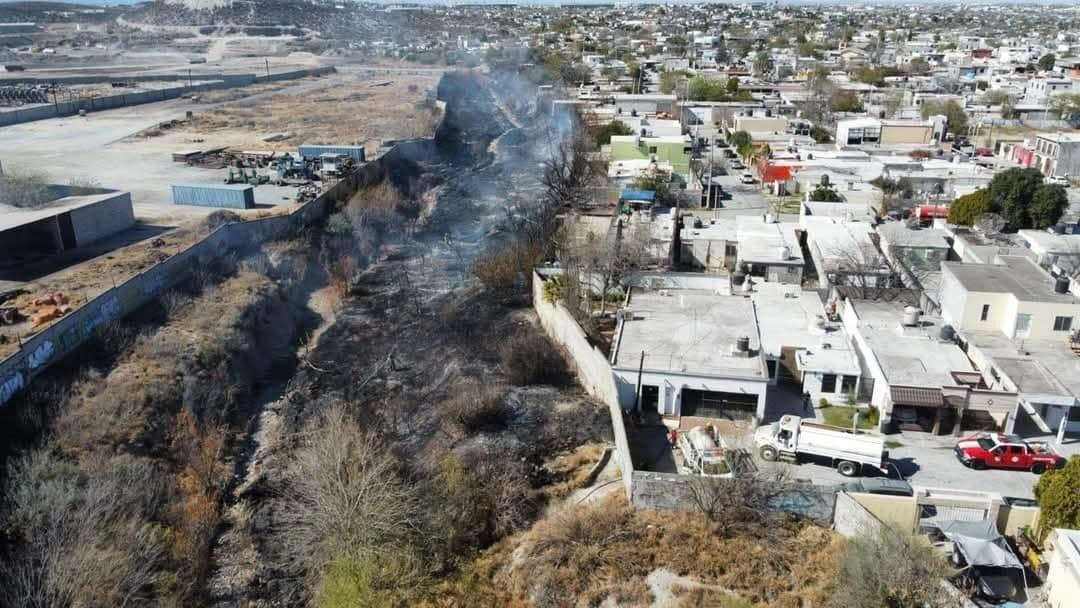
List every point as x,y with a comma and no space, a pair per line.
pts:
736,164
1057,181
746,178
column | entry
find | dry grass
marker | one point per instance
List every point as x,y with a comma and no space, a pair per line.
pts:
585,554
569,471
349,109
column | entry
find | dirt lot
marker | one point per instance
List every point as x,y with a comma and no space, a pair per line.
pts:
106,148
351,107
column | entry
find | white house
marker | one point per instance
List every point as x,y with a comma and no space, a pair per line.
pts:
687,352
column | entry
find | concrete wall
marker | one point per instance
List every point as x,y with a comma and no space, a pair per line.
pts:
851,519
105,218
626,383
591,366
97,104
1063,577
71,331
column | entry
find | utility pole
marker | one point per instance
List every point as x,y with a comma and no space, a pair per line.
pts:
267,66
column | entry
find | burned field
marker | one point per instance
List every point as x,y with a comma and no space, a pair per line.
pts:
388,361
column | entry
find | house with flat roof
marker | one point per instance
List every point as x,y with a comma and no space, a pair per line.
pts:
845,254
1057,154
1018,325
689,353
769,249
916,253
673,150
916,374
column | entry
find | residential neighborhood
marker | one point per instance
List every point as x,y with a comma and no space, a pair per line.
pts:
360,304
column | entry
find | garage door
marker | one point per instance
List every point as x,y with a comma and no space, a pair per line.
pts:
718,404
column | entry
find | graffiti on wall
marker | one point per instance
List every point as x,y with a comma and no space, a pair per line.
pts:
41,355
10,386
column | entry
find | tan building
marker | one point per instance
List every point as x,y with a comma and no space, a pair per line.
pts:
875,132
761,124
1016,298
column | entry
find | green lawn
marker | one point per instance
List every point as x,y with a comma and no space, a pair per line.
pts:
840,415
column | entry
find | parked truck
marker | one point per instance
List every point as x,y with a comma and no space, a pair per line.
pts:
1000,451
848,450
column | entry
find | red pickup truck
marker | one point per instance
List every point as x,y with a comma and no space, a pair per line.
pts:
999,451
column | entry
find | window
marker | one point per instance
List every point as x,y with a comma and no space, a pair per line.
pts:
1062,323
985,312
771,364
1016,449
652,149
828,383
847,384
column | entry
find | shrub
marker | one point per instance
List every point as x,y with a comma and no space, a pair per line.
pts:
1058,493
508,265
475,406
823,402
911,580
529,357
970,207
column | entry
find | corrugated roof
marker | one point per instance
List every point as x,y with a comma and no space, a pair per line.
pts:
916,396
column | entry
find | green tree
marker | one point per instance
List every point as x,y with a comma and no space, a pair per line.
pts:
743,143
732,86
602,134
1058,493
953,111
970,207
1047,205
820,134
1065,105
846,101
1013,191
1046,62
669,81
824,192
762,62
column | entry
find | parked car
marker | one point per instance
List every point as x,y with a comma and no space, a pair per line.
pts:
1000,451
994,585
736,164
878,485
746,178
1057,180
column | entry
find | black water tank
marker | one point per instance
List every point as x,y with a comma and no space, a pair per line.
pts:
742,344
1061,284
947,333
738,278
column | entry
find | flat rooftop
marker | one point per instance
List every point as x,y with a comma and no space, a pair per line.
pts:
914,356
898,234
1038,367
689,332
762,242
13,217
1019,276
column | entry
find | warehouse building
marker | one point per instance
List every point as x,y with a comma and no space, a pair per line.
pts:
64,224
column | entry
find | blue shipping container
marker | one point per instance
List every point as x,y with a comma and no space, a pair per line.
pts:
235,196
314,151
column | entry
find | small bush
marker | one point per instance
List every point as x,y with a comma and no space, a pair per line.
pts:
476,407
823,402
530,358
508,265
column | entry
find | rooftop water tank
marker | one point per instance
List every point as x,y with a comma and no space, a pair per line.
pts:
911,316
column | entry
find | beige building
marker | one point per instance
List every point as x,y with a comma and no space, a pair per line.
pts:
1063,579
1016,298
761,124
875,132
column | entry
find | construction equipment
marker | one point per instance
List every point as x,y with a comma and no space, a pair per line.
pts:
293,171
242,176
334,165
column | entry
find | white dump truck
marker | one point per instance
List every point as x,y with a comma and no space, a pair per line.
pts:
847,449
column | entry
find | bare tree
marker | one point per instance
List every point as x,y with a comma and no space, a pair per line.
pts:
87,536
344,501
913,578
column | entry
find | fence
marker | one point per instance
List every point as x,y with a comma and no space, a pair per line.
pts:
96,104
72,330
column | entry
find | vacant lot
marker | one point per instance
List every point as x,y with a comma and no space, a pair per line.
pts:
361,108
